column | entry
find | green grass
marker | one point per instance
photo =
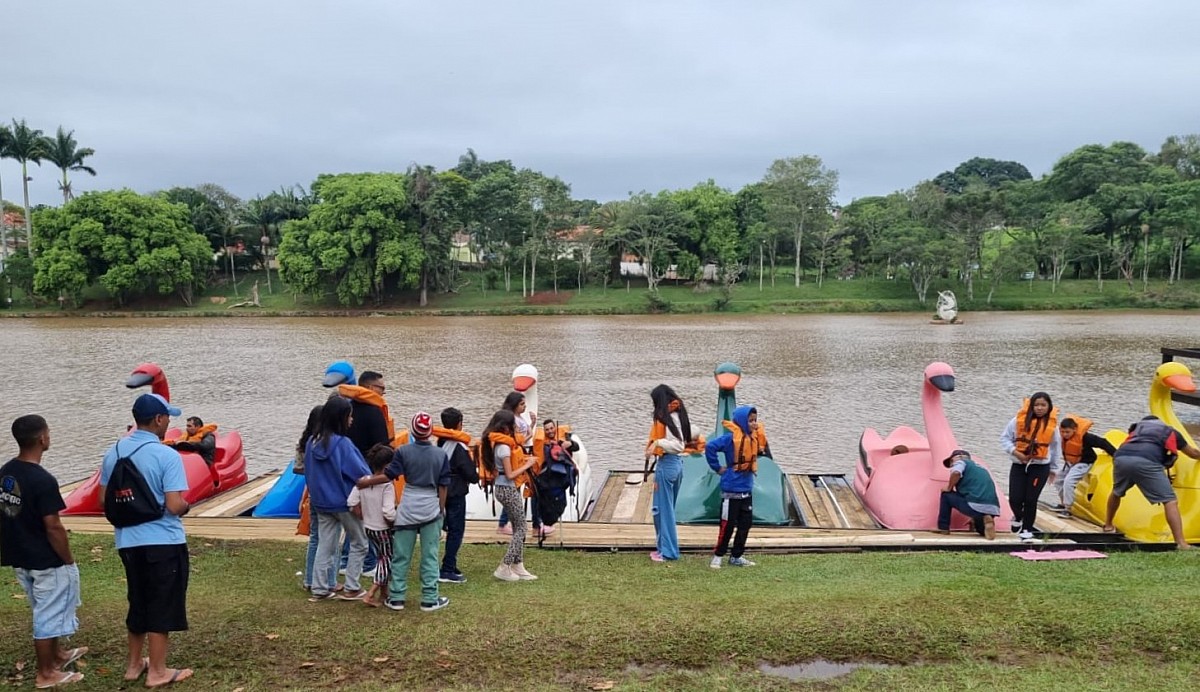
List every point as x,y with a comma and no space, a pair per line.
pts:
858,296
941,620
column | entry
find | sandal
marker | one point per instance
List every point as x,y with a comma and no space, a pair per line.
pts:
1108,529
145,667
73,655
66,679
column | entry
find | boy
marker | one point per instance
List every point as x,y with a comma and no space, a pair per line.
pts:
463,473
740,446
1079,453
34,543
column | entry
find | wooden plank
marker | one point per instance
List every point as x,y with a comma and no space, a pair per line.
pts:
856,514
238,500
801,498
819,513
609,494
627,503
642,513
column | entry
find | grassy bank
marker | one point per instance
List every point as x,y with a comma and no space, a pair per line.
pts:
940,621
855,296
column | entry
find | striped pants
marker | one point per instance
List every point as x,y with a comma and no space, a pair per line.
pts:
382,540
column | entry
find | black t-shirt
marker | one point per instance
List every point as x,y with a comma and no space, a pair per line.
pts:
28,493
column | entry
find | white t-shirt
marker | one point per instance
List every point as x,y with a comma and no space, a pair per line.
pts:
500,453
378,505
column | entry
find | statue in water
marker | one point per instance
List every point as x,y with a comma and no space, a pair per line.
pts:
947,306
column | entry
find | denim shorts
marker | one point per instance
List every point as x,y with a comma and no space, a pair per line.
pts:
54,595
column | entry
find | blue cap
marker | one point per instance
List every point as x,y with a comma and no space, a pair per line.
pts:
337,373
148,406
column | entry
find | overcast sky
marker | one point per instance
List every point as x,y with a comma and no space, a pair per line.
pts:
610,96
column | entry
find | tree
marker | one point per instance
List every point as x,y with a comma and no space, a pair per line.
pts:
988,173
437,202
5,143
63,151
133,245
25,145
1064,233
1014,256
648,224
227,209
1182,154
969,215
356,241
796,190
1179,217
1082,172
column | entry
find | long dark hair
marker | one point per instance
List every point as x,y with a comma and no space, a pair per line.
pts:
512,401
335,420
503,421
662,396
310,429
1030,416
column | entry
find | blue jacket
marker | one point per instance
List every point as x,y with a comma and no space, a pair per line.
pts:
331,472
731,481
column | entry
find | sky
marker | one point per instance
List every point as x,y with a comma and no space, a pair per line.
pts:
613,97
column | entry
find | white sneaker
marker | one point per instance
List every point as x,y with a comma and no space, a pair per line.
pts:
505,573
1014,525
740,562
1026,537
522,573
715,563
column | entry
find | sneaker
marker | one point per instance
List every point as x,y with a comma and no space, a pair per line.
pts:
348,595
1065,513
318,597
451,578
547,530
506,530
440,603
989,528
522,573
505,573
740,562
715,563
394,605
1057,507
657,556
1014,525
1025,535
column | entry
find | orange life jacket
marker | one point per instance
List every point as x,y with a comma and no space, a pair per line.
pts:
438,431
658,431
517,459
1072,449
368,396
204,430
1034,440
746,448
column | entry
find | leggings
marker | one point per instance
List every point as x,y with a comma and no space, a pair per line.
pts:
382,541
514,503
1025,483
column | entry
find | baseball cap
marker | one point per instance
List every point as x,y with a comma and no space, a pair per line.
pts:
957,453
422,425
148,406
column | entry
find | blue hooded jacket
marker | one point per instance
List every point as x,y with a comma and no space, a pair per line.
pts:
331,472
731,481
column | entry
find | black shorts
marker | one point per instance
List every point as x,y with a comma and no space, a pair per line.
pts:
157,577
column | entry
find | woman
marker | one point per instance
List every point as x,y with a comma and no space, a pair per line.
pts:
307,525
515,403
332,466
670,435
505,461
1032,440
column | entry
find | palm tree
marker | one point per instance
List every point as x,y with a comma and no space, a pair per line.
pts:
26,145
63,151
5,138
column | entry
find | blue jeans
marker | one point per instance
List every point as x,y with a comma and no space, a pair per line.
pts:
54,595
311,558
533,511
955,501
668,473
332,524
455,526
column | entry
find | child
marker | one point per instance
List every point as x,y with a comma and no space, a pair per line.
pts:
463,473
376,506
741,446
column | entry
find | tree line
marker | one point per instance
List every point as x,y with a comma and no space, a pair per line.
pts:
1103,212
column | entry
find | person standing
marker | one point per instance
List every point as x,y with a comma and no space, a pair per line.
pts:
34,543
523,421
972,492
741,445
1142,460
1031,438
463,472
1079,453
669,437
506,466
154,553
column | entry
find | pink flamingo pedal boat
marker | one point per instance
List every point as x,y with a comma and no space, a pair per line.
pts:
900,477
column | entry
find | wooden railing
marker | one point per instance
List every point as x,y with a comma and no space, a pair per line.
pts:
1170,354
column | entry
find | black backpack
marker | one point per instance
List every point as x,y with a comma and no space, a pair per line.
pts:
557,477
128,500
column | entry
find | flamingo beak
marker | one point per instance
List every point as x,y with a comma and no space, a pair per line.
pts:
727,381
1180,383
522,383
943,382
138,379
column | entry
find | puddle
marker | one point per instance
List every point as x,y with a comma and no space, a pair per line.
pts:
819,669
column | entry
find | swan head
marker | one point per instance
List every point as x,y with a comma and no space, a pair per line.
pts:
524,377
144,374
728,375
941,376
1175,376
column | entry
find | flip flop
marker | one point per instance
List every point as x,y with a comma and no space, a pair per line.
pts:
1108,529
66,679
145,667
174,678
74,655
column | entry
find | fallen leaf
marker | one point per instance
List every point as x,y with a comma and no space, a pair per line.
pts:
380,659
289,560
603,685
208,545
272,636
443,652
307,664
81,663
445,665
20,666
239,689
18,596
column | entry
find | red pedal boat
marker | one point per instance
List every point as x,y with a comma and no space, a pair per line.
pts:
228,469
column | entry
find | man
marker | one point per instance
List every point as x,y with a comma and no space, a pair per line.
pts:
1142,460
200,438
34,543
971,491
154,553
371,422
1079,453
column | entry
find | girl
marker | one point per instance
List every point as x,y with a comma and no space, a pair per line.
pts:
1032,440
332,466
307,525
376,507
515,403
669,437
504,460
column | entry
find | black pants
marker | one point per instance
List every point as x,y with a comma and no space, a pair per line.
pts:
1025,484
737,514
156,586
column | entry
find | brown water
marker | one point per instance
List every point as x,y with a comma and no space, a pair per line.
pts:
818,380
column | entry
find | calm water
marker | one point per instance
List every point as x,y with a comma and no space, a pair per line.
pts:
817,380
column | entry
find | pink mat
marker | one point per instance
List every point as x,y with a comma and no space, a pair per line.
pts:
1058,554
